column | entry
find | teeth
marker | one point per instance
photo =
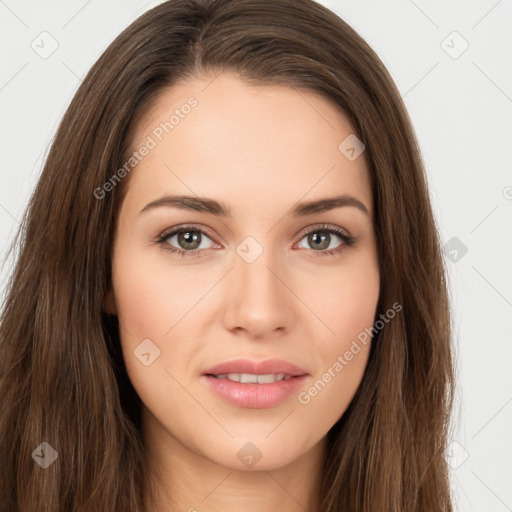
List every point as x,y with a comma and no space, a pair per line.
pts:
248,378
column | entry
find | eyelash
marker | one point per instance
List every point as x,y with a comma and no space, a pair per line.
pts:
348,240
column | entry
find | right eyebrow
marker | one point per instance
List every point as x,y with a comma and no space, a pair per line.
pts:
194,203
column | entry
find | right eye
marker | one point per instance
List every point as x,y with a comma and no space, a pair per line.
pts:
185,241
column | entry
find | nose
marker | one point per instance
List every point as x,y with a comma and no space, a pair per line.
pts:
258,300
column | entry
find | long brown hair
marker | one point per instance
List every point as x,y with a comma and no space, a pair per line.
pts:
62,376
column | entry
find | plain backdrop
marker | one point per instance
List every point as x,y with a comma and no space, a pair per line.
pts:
452,62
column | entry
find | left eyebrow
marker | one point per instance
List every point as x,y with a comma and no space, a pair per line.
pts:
326,204
219,209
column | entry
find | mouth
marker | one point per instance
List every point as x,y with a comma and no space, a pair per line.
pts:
254,385
250,378
249,371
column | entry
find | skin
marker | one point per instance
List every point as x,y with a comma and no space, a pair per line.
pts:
259,150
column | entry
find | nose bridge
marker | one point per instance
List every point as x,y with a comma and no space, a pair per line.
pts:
253,269
259,301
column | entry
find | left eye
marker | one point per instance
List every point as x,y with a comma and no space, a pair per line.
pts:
320,239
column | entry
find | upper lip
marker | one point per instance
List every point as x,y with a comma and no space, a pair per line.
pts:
265,367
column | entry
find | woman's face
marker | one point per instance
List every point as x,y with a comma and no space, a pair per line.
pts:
218,258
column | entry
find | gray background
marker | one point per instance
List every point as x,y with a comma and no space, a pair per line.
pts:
460,102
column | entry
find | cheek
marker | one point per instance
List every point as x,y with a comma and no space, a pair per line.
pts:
348,301
150,306
150,299
155,302
349,305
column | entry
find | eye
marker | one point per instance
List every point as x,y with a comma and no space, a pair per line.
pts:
189,241
321,237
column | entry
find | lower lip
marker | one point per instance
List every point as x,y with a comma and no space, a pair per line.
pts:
254,396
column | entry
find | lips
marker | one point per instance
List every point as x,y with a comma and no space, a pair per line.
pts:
269,366
233,381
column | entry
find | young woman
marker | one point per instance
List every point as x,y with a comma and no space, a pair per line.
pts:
229,292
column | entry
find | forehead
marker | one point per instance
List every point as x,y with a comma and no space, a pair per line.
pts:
251,146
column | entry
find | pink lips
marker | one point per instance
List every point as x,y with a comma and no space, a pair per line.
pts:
255,395
256,368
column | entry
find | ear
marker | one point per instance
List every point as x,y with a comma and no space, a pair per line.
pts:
109,302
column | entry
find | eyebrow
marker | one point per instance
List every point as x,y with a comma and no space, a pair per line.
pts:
220,209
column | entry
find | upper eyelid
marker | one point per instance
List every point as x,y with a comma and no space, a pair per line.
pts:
173,231
321,227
